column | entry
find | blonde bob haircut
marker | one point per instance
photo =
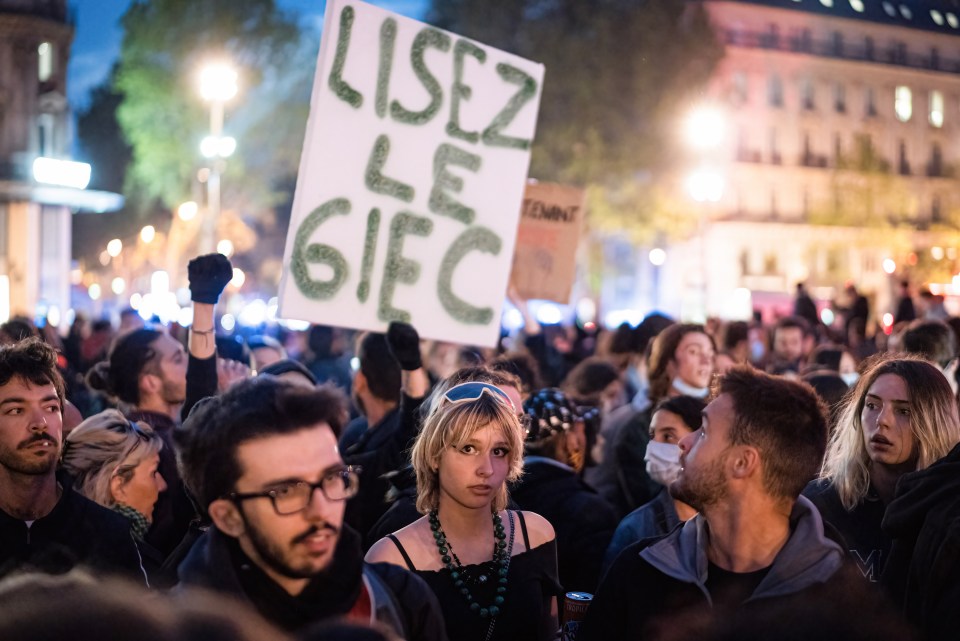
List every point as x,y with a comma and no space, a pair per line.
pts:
103,446
451,425
933,422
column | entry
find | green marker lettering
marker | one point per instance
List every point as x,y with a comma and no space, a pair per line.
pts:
398,268
473,239
376,181
440,201
388,37
528,89
305,253
426,38
369,253
344,91
460,90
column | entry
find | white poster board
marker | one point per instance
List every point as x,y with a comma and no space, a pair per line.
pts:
411,178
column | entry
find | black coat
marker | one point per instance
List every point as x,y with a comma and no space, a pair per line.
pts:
401,600
77,533
923,570
583,520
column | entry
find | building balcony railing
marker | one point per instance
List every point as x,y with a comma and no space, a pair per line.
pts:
897,55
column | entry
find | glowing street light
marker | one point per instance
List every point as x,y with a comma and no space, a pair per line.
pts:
218,84
114,247
225,247
238,278
705,128
889,265
187,211
705,185
118,286
148,233
657,256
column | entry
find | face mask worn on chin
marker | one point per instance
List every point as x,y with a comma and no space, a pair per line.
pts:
850,378
689,390
663,462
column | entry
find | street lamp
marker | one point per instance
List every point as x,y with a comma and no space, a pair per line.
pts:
218,84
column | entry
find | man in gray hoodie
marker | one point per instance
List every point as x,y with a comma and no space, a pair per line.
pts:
755,542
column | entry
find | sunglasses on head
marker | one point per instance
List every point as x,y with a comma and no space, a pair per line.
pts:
472,391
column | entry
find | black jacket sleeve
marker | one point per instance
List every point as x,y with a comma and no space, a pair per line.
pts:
201,382
417,603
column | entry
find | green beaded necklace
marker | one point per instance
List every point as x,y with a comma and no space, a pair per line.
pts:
501,557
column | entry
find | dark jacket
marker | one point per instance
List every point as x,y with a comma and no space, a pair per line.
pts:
400,600
653,584
923,571
653,520
403,509
860,527
76,533
381,449
583,521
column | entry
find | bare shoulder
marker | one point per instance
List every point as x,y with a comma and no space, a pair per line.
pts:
386,551
538,528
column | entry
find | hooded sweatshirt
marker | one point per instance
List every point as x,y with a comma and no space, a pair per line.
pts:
653,584
923,571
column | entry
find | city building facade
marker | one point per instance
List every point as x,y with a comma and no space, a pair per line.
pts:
39,188
839,159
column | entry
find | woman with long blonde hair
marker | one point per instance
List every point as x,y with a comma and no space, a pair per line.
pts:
900,417
493,570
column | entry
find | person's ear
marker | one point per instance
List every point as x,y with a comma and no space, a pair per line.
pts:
226,516
746,462
359,382
118,489
150,383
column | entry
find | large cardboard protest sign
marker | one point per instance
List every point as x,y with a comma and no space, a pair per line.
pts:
411,178
544,262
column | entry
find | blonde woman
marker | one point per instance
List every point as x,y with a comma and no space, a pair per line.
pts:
900,417
494,570
113,462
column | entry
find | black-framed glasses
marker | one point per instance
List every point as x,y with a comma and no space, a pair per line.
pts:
473,390
290,498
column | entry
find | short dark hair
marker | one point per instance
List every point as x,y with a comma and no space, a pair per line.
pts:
688,408
262,406
119,375
379,367
521,365
590,377
791,322
31,360
286,366
785,420
733,333
932,340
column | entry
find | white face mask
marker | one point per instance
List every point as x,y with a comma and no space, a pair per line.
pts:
663,462
850,378
689,390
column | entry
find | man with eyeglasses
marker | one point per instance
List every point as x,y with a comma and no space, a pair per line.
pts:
44,525
263,460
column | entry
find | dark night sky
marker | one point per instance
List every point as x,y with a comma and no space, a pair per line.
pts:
96,43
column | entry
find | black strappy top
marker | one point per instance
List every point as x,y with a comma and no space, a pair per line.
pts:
524,616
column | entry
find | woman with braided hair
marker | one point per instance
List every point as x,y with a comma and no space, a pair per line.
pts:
554,451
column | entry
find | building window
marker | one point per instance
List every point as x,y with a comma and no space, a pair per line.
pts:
936,212
45,61
868,48
934,58
774,152
837,43
869,102
903,103
45,146
740,87
936,161
807,94
837,149
840,98
775,91
936,108
903,164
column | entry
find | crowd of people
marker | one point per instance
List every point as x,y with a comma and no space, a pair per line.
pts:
719,481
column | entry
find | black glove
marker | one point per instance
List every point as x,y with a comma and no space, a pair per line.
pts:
208,276
404,343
